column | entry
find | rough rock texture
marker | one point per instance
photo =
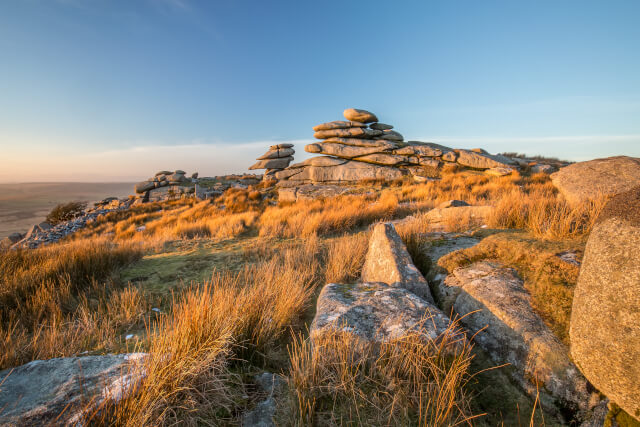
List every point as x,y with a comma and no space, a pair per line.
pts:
347,172
319,161
605,317
346,151
383,159
272,163
391,135
38,392
358,142
362,116
339,124
313,192
272,386
389,262
481,160
609,176
492,299
380,126
347,133
543,168
376,312
276,154
499,171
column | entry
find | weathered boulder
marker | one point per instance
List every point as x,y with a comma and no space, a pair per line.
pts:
608,177
344,151
363,142
319,161
450,156
339,124
314,192
388,261
347,133
43,390
499,171
280,146
280,163
177,177
277,153
380,126
605,317
376,312
143,187
391,135
493,304
362,116
158,174
428,161
348,172
194,175
284,173
419,150
541,168
383,159
482,161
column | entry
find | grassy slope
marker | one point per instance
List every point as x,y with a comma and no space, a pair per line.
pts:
265,254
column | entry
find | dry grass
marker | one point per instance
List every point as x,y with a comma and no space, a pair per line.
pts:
55,294
340,379
345,258
333,215
231,319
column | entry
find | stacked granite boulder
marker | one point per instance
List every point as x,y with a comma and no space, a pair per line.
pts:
161,179
276,159
362,148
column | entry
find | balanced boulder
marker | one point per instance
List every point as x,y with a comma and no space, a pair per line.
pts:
605,317
357,115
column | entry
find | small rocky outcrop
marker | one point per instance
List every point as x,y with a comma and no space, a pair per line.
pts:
276,159
161,179
494,306
605,317
607,177
361,148
61,391
386,308
388,261
376,311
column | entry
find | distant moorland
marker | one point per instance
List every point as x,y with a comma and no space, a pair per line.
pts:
22,205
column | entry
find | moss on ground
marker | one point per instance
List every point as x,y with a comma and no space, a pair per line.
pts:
549,279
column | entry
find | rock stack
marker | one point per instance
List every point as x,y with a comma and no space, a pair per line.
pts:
161,179
362,148
276,159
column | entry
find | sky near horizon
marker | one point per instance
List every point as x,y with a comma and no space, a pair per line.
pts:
113,90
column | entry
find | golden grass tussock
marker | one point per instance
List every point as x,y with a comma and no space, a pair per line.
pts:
326,216
345,258
336,378
54,295
227,320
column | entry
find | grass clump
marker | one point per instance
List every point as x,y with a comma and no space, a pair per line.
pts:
57,294
340,379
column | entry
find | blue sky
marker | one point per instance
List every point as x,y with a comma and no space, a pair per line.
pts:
113,90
